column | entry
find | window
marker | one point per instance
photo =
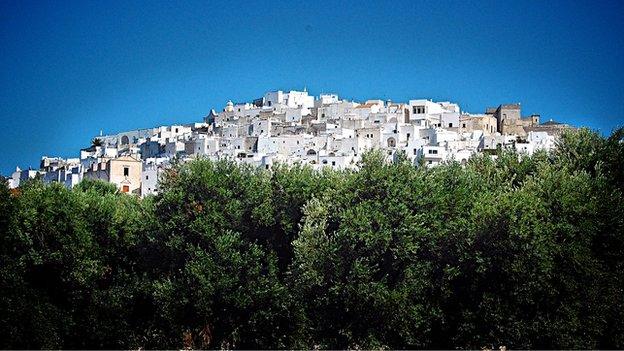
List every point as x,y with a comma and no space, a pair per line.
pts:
464,125
419,110
126,171
433,152
125,189
333,163
415,151
176,130
146,177
450,125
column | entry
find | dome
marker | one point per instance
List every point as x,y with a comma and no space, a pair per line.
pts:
229,106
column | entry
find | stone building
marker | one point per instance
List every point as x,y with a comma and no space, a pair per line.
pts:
509,119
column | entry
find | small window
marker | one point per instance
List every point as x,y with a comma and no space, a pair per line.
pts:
333,163
146,177
125,189
450,125
464,125
126,171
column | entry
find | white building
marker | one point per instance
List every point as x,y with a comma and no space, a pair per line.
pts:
292,127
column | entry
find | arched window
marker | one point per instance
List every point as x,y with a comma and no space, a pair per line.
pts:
391,142
125,140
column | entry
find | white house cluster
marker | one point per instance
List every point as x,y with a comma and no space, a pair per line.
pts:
294,127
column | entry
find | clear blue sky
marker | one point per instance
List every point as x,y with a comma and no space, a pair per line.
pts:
69,69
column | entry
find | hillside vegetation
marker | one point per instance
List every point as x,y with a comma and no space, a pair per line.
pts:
526,252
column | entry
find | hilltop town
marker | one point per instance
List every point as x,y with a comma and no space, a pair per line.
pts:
294,127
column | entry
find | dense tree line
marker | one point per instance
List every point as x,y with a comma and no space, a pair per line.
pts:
526,252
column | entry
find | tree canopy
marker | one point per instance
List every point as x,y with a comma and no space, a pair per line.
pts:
515,250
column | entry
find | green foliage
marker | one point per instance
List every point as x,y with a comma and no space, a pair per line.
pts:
512,250
98,186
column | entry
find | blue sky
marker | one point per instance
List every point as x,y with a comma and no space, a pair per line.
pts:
70,69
